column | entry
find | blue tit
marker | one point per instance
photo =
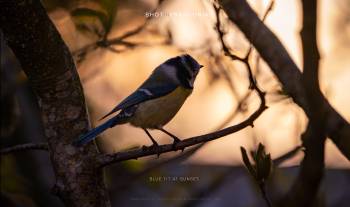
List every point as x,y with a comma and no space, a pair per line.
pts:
156,101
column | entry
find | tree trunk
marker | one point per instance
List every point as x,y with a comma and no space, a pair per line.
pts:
52,74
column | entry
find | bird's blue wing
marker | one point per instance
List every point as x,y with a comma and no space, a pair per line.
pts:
143,94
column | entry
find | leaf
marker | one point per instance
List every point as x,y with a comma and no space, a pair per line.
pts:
259,168
247,162
86,12
261,152
267,166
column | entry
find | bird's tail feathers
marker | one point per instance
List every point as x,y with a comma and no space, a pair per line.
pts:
93,133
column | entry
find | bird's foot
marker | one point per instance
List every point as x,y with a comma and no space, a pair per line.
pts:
182,149
176,141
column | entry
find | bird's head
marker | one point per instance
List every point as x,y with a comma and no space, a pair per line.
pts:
187,70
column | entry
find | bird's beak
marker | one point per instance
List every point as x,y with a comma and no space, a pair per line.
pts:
201,66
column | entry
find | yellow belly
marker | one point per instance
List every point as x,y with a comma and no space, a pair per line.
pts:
158,112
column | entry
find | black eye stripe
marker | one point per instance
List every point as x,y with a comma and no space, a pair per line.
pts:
184,76
186,69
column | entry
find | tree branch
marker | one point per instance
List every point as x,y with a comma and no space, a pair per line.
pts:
24,147
304,190
276,56
157,165
278,160
234,57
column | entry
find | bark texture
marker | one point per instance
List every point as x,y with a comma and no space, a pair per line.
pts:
305,188
52,74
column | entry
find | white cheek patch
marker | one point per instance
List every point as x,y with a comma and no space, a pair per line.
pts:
146,91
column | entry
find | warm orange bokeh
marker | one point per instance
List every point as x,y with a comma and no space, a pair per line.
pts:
110,77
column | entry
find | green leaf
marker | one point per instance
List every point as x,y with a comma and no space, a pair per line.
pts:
261,152
267,166
260,168
247,162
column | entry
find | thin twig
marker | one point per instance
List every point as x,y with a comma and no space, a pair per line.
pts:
244,60
277,58
24,147
278,160
221,35
252,81
268,10
235,57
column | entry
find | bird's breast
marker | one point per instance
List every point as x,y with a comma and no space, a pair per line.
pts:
158,112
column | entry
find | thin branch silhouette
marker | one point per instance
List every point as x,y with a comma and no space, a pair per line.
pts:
25,147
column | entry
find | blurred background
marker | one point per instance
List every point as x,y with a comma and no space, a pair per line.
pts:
117,44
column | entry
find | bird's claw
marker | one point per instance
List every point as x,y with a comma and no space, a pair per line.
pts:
176,141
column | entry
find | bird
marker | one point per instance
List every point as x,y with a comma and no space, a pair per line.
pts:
155,102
